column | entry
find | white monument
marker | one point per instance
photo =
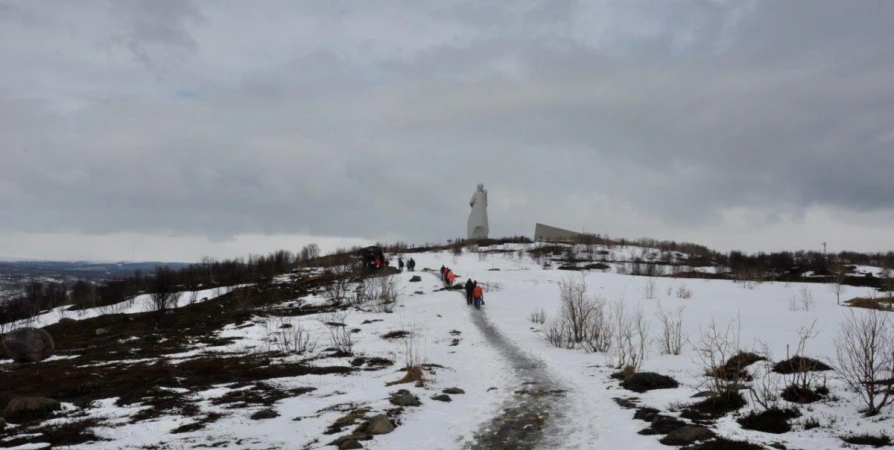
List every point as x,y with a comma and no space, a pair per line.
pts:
477,226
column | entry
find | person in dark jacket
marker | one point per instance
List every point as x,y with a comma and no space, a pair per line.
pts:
411,265
469,287
443,273
400,263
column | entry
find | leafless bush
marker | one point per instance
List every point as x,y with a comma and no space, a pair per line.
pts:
538,316
671,339
577,308
839,276
714,348
599,330
764,390
555,333
631,336
649,288
670,289
802,380
243,299
684,292
164,294
288,338
193,297
413,357
801,300
337,291
864,352
340,338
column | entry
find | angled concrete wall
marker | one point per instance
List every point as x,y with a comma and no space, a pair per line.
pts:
547,233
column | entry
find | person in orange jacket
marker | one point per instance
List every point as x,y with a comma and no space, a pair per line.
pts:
477,295
450,277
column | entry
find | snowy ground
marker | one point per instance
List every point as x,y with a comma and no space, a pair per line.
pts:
517,286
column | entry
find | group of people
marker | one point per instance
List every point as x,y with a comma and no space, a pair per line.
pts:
411,264
474,294
447,276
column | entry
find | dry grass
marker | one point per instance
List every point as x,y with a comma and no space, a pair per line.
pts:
880,303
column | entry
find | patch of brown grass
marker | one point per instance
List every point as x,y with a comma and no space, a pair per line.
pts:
414,375
880,303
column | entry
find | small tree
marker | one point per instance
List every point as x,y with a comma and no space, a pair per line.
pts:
164,294
838,275
864,353
671,338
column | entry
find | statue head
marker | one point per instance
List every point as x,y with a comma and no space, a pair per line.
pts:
480,186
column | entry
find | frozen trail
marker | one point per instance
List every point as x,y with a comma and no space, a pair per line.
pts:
528,418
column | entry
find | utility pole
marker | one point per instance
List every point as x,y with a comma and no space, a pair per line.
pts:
824,250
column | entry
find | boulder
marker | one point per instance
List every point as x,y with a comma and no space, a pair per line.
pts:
380,424
67,320
102,331
28,345
687,435
350,444
30,408
454,391
415,279
442,398
403,397
265,414
2,424
648,381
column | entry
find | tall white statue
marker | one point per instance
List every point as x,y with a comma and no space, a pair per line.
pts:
477,226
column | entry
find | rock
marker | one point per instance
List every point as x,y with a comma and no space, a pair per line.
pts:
28,345
442,398
286,326
356,330
420,384
102,331
2,424
30,408
415,279
380,424
403,397
454,391
350,444
648,381
350,441
265,414
662,425
689,434
67,320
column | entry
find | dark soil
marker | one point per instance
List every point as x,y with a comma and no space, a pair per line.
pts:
198,425
261,394
70,433
800,364
648,381
724,444
804,396
714,407
868,439
399,334
774,420
662,425
736,367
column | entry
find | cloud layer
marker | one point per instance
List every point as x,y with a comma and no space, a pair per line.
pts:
721,122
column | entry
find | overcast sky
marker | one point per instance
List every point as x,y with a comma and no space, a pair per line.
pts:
173,129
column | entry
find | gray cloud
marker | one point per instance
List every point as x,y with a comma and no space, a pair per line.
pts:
628,117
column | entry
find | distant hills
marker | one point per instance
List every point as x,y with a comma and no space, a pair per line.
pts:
14,273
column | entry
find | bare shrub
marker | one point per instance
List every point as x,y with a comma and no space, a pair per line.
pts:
288,338
631,335
671,339
381,292
670,289
839,276
764,390
538,316
801,300
164,294
413,358
649,288
337,291
577,308
599,335
684,292
864,351
340,338
555,333
713,350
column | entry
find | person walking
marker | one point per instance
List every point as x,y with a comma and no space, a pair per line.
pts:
400,263
443,273
411,265
469,287
451,277
477,296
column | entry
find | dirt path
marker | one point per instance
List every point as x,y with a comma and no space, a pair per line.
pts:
534,406
530,414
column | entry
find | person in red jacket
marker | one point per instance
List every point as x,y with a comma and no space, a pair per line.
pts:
450,277
477,295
